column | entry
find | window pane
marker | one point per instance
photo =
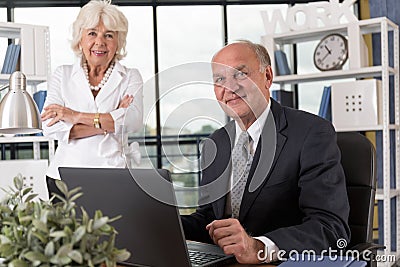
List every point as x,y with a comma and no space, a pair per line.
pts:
140,48
245,22
186,37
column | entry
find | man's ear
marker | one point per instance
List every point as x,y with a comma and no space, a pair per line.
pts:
268,75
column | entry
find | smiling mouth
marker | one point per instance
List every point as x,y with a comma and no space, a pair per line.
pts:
99,53
235,98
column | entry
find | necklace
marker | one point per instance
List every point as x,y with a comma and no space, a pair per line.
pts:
103,81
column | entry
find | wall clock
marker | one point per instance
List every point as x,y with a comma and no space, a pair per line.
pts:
331,52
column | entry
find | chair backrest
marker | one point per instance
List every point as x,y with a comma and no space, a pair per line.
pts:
359,164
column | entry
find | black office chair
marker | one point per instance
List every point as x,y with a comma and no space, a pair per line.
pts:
359,164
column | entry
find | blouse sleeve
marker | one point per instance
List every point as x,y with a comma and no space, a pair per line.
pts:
130,119
61,130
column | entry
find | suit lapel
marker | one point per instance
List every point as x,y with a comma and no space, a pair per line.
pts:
271,139
225,151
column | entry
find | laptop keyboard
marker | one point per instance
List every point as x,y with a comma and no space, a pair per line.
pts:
200,257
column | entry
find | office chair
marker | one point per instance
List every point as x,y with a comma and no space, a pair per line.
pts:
359,164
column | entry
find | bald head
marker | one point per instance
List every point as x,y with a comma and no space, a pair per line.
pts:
259,51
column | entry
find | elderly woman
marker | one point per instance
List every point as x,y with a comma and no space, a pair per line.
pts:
92,105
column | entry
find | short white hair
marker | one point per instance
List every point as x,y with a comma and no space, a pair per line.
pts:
90,16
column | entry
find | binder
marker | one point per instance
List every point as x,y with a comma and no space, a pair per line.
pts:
282,66
7,58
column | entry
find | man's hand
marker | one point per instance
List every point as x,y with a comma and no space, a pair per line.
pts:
233,239
59,113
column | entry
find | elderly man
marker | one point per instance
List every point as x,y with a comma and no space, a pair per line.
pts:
271,178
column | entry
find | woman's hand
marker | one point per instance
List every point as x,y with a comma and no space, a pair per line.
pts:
125,101
59,113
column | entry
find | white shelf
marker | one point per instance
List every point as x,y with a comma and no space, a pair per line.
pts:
366,128
355,70
366,26
332,75
4,78
393,193
23,139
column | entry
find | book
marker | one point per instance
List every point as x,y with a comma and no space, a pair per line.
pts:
14,58
325,105
285,98
282,66
40,97
7,58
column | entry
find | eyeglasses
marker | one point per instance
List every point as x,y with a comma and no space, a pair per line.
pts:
220,80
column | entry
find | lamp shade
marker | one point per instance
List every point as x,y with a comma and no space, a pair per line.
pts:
18,112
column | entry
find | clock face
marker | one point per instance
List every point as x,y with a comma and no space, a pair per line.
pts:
331,53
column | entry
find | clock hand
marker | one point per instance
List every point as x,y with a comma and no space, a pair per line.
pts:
329,51
327,54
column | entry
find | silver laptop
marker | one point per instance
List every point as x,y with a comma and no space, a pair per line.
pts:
150,227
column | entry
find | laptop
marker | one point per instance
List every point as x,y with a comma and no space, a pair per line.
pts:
150,227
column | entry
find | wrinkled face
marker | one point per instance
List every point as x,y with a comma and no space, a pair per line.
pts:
239,86
99,45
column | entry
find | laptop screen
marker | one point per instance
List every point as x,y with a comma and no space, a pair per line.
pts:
150,227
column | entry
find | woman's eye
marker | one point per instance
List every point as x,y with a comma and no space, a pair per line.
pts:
92,33
109,35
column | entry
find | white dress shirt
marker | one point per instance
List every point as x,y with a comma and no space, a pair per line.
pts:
69,87
254,132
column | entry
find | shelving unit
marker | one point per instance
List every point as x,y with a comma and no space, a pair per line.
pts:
356,69
34,62
35,50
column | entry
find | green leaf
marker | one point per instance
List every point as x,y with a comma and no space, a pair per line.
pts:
62,187
40,226
58,234
74,197
49,249
64,250
30,197
76,256
26,190
35,256
98,223
40,236
18,263
18,182
122,255
78,234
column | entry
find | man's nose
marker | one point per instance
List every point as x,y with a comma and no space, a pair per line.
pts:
231,84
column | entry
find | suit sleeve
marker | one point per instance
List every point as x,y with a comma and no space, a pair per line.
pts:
323,196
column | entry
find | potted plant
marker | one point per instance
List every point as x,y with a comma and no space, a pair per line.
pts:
38,233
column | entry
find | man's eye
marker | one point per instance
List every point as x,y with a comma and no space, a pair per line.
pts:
240,75
219,80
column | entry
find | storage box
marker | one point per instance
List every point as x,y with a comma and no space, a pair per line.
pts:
33,173
356,103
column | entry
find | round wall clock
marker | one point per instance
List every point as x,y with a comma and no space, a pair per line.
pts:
331,52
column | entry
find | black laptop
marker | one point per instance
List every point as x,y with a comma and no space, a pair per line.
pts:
150,227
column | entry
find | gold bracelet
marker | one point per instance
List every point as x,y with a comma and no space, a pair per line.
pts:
96,121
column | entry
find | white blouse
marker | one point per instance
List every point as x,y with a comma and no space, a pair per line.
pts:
69,87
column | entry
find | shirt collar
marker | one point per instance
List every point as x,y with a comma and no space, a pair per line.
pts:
255,129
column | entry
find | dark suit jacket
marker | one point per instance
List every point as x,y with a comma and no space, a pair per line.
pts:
301,201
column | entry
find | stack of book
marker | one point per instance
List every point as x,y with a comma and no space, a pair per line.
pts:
11,59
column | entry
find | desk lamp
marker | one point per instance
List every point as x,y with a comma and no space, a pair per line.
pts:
18,112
